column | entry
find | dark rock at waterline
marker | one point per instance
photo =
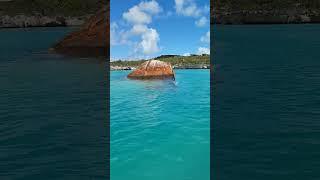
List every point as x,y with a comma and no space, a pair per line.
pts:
153,69
92,40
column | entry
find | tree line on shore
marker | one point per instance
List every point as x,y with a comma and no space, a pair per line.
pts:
175,60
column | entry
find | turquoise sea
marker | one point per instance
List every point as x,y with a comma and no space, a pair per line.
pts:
266,118
160,129
53,122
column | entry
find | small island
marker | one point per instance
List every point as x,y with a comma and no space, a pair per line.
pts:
153,69
178,62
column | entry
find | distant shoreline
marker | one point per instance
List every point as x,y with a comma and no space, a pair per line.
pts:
177,62
34,21
112,68
248,15
174,69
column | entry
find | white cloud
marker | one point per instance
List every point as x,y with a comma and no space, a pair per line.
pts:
151,7
201,22
203,50
205,38
191,10
186,54
136,16
118,36
139,29
149,43
187,8
139,16
141,13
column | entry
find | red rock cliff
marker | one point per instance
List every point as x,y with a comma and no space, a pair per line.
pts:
91,40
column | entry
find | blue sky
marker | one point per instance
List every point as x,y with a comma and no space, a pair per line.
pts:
142,29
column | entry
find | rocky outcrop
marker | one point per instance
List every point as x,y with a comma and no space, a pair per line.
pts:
91,40
153,69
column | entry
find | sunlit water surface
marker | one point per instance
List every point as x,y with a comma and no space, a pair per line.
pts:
160,129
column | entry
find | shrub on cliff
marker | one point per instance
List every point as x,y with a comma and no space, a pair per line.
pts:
51,7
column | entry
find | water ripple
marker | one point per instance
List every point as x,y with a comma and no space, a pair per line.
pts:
159,125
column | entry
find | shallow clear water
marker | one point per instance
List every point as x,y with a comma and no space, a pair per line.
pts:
52,110
160,129
266,104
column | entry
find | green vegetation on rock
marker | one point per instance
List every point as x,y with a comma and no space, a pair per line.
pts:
50,7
